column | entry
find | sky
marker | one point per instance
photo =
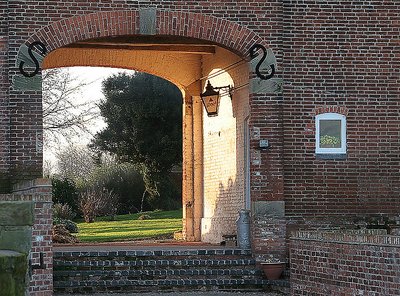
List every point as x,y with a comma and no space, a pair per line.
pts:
93,77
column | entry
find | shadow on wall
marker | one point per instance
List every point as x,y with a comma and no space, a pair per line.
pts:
223,213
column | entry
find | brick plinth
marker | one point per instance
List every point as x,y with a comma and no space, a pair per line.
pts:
269,238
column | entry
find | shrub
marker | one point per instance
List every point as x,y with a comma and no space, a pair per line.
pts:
64,191
96,202
63,211
71,226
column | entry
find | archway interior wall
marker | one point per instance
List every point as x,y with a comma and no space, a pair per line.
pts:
224,167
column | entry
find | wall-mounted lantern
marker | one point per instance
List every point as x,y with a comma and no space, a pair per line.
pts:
211,98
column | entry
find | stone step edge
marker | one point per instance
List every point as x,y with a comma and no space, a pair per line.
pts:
179,262
160,272
148,253
191,282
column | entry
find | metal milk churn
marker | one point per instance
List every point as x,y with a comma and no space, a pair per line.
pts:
243,229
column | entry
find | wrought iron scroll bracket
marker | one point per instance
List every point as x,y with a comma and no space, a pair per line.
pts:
253,54
43,50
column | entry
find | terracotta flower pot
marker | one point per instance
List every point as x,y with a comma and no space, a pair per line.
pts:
273,271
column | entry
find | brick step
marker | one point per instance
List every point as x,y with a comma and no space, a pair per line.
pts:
136,286
157,270
215,253
173,263
83,275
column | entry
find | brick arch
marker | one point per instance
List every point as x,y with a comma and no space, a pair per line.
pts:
225,33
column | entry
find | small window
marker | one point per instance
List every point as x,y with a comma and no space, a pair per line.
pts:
330,133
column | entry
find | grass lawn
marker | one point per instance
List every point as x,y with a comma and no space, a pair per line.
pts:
128,227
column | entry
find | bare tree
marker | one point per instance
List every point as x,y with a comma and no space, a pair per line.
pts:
75,162
65,113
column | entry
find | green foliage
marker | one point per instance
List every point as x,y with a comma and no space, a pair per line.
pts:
144,125
65,192
71,226
124,181
120,178
128,227
329,141
169,197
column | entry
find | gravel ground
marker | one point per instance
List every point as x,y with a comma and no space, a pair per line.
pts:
181,294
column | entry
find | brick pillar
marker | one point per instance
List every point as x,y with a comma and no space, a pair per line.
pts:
39,191
187,170
198,166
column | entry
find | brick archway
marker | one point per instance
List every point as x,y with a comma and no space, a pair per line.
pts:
233,37
222,33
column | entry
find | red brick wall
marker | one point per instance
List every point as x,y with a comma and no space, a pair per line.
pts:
341,54
4,163
267,174
343,264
